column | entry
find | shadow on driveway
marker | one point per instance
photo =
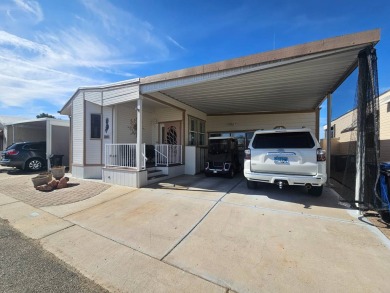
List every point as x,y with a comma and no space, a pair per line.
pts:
237,187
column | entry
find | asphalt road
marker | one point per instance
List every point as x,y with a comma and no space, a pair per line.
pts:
26,267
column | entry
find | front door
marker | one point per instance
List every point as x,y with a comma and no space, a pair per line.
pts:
171,132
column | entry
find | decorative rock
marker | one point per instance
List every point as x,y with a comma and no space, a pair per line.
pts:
53,183
63,183
45,187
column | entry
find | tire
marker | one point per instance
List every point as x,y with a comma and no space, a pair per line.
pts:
34,165
315,190
251,184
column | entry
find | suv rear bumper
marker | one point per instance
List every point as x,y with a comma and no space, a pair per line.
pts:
301,180
9,163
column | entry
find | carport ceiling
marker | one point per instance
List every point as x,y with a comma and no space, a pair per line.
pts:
287,80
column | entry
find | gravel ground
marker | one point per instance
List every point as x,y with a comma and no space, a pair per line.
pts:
26,267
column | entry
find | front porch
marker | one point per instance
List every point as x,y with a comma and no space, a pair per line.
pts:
127,161
159,161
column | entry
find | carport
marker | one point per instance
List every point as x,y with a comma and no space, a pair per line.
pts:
292,80
54,131
283,87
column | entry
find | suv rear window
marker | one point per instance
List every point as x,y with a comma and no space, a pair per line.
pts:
34,147
283,140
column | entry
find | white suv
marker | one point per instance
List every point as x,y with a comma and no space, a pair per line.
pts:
286,157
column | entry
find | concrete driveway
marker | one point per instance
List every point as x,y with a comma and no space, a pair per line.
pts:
192,234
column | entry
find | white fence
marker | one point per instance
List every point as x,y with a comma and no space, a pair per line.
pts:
168,154
124,155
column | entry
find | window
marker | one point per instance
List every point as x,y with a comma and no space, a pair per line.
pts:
332,132
96,124
196,131
283,140
35,147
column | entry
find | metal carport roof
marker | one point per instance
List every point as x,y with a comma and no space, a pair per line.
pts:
292,79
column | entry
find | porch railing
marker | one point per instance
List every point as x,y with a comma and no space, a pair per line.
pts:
168,154
124,155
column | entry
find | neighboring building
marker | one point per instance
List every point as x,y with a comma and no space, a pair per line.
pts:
54,131
343,131
4,120
119,130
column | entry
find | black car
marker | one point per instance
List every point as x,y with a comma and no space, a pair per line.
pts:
222,157
29,156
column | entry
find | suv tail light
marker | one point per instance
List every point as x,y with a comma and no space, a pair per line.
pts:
247,154
321,155
12,152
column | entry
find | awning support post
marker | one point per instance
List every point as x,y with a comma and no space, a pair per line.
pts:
328,135
139,134
48,143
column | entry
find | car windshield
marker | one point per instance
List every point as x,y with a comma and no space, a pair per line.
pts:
219,146
283,140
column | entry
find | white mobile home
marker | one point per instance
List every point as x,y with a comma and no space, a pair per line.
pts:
120,131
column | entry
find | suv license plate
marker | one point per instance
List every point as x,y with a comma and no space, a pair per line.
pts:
280,160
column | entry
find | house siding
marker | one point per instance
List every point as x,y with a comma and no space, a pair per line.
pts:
93,146
123,113
343,142
93,97
169,114
148,126
384,104
107,131
78,129
231,123
177,111
121,94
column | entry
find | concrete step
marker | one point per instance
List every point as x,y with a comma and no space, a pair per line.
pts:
155,173
157,176
156,179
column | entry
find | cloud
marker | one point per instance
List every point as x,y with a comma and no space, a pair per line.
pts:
176,43
45,62
33,71
123,26
31,7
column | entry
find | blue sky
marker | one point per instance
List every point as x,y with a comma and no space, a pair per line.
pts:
50,48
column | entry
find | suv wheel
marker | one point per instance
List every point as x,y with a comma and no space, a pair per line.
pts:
34,165
315,190
251,184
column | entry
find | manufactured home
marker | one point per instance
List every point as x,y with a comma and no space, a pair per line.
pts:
133,132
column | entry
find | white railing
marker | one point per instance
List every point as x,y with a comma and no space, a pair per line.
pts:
168,154
124,155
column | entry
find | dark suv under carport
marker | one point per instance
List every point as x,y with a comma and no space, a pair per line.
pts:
29,156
